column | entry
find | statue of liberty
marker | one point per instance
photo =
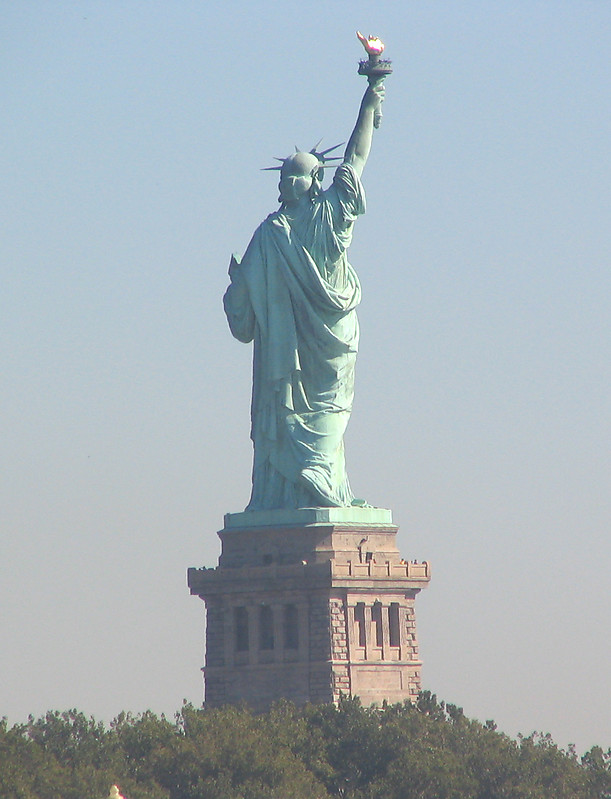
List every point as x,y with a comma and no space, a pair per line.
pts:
294,294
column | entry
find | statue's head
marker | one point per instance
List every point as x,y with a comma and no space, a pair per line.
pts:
299,174
302,173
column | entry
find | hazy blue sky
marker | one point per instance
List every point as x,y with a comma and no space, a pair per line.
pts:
133,134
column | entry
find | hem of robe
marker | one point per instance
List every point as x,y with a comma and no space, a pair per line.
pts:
272,490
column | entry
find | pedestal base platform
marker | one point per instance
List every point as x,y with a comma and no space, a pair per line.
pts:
308,605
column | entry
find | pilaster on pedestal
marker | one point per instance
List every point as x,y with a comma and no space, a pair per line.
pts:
308,605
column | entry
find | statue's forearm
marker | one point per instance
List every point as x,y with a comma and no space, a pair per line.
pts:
359,145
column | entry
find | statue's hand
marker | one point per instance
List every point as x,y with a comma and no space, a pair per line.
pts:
374,96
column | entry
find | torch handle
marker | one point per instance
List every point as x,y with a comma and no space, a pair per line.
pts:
372,78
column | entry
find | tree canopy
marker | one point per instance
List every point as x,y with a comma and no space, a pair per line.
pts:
420,751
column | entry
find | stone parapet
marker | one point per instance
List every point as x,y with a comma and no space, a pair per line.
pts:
208,582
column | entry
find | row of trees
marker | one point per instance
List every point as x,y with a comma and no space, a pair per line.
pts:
427,751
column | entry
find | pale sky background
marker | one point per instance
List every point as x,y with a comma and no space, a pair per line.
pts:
133,134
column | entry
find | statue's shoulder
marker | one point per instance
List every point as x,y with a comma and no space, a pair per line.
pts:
274,224
346,174
346,192
265,225
271,220
345,180
270,226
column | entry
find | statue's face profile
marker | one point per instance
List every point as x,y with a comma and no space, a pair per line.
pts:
296,176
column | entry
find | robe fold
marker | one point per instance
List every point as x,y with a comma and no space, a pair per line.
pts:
295,295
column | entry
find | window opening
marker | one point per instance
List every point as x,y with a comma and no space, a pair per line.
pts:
266,627
359,618
291,627
240,618
393,623
376,618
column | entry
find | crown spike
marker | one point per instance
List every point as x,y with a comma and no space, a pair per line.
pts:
330,149
315,148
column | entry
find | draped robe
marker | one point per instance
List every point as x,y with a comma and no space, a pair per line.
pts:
295,295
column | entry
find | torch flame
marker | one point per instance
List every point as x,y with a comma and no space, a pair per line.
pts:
372,44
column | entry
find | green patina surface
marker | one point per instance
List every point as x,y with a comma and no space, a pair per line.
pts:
294,295
303,516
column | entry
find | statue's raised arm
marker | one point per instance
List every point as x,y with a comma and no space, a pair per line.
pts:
370,114
294,295
359,144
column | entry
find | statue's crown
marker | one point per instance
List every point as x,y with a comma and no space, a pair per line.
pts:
317,168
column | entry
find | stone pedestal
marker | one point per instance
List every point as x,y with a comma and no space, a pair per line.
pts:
307,605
